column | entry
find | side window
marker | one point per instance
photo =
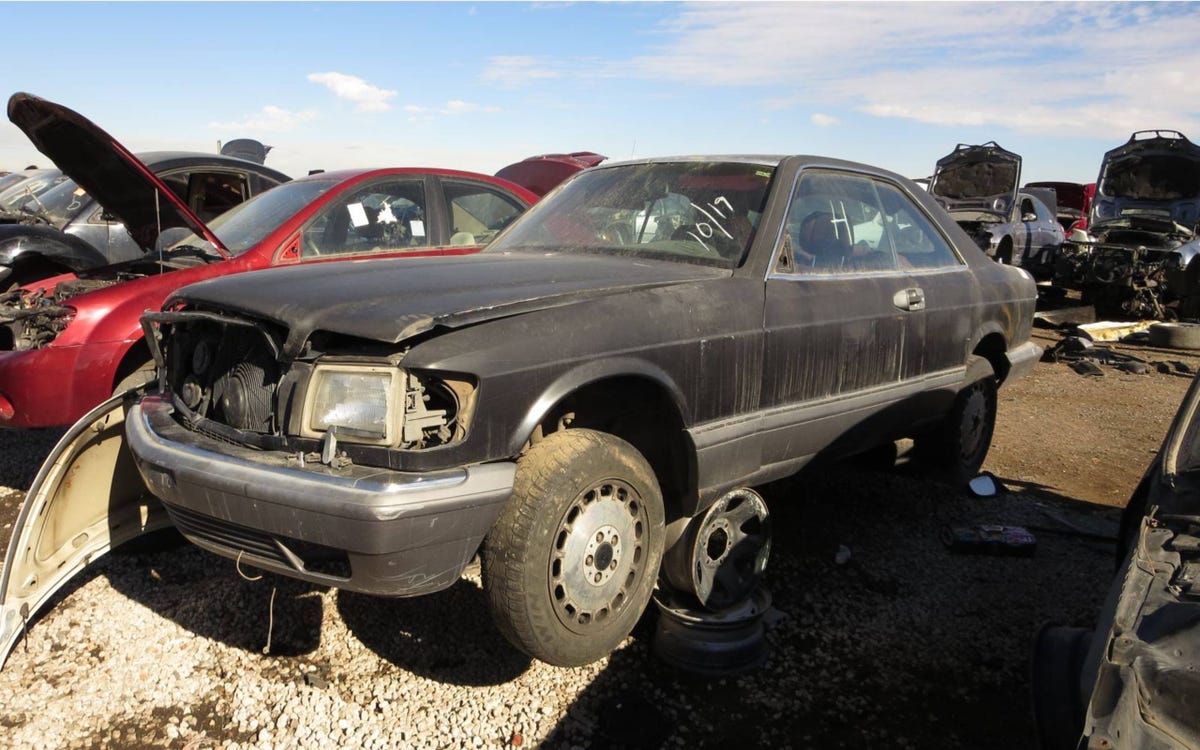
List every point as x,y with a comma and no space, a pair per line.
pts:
835,225
210,194
918,243
382,217
259,183
477,212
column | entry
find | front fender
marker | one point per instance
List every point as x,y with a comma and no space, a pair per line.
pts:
22,243
86,499
586,374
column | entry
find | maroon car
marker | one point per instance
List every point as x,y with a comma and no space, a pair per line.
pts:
68,342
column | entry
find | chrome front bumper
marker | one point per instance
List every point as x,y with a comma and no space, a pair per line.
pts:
364,529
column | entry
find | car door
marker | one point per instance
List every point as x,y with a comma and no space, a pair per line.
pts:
836,313
389,215
945,301
476,211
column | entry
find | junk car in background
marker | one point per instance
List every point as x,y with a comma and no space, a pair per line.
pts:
581,402
978,186
68,342
102,214
1138,258
1073,202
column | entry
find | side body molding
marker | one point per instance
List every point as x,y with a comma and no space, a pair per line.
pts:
86,499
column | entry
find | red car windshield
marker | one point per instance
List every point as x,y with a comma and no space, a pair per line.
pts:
688,211
247,224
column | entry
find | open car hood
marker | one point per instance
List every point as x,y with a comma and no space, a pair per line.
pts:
541,174
1156,173
982,178
112,175
86,499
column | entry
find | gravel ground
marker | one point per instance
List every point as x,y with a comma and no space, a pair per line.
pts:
905,644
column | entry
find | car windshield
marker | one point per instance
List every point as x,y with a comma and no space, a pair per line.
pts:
247,224
36,186
687,211
60,205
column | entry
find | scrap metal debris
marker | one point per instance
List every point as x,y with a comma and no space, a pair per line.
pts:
1085,356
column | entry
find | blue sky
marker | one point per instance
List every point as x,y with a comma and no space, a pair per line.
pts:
478,85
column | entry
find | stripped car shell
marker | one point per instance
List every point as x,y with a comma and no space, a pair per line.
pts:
570,401
1140,257
1132,682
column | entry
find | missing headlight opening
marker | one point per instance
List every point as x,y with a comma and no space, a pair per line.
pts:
227,371
31,320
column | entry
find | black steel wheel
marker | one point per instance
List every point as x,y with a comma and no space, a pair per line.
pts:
569,566
960,444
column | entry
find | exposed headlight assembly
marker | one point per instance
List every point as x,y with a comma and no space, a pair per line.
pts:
381,405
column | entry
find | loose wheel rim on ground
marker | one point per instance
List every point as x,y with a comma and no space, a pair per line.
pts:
598,555
731,549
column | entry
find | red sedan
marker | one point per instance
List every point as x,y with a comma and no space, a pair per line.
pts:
68,342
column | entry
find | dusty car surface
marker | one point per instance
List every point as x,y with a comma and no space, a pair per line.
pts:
68,342
978,186
1139,258
577,402
98,216
1133,682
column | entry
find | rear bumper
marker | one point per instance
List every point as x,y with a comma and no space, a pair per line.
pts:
1022,359
363,529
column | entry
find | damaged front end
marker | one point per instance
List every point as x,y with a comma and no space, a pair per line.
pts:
31,319
299,460
86,499
1138,258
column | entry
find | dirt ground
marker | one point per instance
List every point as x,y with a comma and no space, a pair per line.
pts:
1086,438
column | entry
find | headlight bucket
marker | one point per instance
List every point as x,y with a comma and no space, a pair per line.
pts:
362,402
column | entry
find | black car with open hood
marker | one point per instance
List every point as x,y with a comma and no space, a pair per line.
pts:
114,206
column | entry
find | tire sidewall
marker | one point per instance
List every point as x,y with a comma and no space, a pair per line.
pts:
604,457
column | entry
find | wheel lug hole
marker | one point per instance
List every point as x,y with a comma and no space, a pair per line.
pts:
599,536
590,560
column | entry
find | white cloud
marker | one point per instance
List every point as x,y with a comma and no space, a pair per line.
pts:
366,98
270,118
517,70
1089,70
450,108
822,120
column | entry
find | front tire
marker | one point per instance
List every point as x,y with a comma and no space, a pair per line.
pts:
570,564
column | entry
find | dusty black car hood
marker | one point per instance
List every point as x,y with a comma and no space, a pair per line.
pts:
981,178
393,300
113,176
1154,174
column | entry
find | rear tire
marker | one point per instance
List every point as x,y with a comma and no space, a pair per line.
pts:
958,446
569,566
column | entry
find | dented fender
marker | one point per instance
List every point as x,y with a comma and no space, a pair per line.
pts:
86,499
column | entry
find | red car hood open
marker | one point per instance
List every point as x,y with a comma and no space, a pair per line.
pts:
112,175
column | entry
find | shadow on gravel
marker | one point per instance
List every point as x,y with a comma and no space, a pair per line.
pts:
22,453
904,644
202,594
447,636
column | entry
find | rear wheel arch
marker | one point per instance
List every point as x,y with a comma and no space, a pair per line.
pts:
994,349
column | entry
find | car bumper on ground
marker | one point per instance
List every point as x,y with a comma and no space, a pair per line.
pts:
359,528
